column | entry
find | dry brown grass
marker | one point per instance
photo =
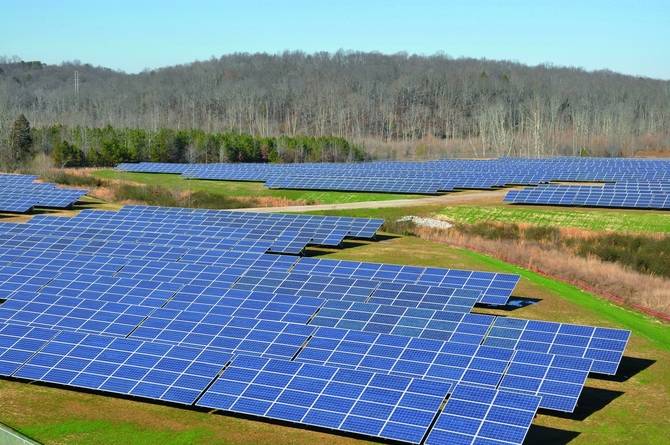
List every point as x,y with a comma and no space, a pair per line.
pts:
109,193
648,291
271,201
83,171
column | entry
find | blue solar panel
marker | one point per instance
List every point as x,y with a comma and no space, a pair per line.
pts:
558,380
495,288
20,343
479,415
110,273
163,372
353,401
634,177
604,346
19,194
457,325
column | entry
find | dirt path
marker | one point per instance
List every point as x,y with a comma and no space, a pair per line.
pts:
433,200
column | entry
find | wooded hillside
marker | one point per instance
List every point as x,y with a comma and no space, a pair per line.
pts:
400,105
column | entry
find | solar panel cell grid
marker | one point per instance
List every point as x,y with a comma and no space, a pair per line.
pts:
354,401
164,372
604,345
479,415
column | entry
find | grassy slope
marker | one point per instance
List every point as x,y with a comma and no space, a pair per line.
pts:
253,189
587,219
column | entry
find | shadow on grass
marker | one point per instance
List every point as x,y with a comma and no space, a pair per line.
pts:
628,367
513,303
351,243
306,427
590,401
386,237
315,251
549,436
89,203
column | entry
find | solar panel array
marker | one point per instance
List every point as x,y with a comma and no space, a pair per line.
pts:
145,302
19,194
633,194
186,229
639,183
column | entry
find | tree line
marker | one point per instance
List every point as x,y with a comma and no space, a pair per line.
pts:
108,146
428,106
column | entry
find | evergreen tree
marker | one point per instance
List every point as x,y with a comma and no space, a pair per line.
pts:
20,141
68,155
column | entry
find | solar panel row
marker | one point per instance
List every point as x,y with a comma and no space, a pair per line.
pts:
355,401
452,324
18,193
77,235
397,355
444,175
596,196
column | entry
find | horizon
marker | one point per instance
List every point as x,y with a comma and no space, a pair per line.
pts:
622,36
549,65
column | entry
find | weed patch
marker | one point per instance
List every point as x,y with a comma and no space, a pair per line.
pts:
579,218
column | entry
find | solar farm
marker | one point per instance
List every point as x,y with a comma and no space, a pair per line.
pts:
228,313
631,183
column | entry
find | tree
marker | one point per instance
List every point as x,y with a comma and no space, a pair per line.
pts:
68,155
20,141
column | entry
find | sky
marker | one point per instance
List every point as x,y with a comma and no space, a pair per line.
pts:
625,36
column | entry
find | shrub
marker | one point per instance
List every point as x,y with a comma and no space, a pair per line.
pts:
641,253
406,228
542,233
64,178
490,230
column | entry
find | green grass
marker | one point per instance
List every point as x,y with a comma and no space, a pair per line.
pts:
639,323
251,189
587,219
98,431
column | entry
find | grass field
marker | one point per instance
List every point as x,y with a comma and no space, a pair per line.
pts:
586,219
251,189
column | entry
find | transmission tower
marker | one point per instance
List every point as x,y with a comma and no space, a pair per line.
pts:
76,87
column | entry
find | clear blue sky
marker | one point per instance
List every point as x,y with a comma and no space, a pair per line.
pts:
627,36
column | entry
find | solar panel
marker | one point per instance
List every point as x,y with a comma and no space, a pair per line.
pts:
354,401
480,415
448,175
411,322
558,380
73,314
19,343
495,288
604,346
237,335
306,285
124,366
160,277
412,357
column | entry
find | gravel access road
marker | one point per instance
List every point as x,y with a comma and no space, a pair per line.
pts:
432,200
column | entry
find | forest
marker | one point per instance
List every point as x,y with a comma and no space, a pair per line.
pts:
108,146
399,106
